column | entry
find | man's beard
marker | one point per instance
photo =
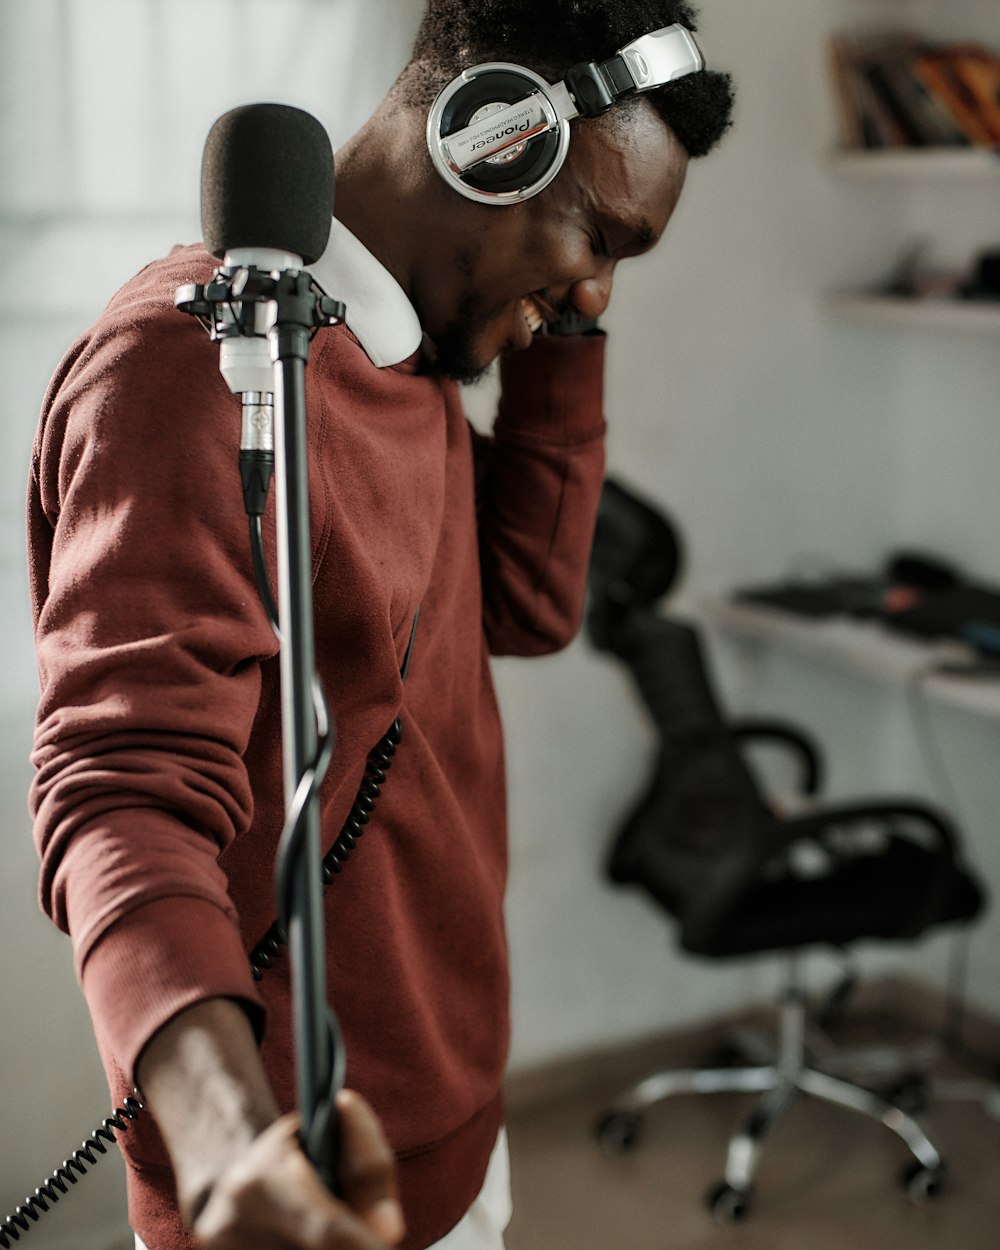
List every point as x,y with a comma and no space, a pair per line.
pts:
456,355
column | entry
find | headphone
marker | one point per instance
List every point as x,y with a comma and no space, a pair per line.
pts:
499,133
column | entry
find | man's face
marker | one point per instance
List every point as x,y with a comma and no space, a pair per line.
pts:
506,269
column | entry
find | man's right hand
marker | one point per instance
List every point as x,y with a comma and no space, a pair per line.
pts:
272,1199
243,1181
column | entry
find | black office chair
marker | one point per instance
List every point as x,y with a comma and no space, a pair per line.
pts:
707,845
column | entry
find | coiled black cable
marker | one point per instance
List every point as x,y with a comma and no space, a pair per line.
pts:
53,1187
379,761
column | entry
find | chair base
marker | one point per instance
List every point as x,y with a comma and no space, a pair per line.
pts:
780,1084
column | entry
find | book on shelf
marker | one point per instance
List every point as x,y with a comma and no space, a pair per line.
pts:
966,80
896,90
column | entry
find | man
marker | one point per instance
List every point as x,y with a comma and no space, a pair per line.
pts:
158,799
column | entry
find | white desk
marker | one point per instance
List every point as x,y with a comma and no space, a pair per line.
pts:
857,646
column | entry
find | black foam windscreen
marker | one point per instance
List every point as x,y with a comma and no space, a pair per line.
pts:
267,181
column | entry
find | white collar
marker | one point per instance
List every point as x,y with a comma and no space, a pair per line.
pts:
378,313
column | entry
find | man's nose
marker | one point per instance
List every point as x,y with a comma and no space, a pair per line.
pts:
591,296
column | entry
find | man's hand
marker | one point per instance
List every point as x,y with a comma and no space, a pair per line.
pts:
272,1199
243,1181
571,323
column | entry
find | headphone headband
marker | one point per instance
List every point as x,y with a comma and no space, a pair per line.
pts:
499,132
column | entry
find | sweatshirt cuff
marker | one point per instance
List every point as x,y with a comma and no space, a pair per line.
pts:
159,960
554,391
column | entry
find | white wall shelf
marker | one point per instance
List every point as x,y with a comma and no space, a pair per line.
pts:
865,648
966,317
948,162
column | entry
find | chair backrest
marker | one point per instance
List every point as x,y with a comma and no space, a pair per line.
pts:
696,838
637,552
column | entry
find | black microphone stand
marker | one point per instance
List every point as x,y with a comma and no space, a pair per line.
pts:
316,1078
227,307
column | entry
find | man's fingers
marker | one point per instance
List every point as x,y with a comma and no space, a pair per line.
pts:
367,1168
274,1200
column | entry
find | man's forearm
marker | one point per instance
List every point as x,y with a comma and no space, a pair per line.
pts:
202,1078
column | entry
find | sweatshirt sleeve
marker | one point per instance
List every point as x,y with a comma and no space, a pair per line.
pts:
149,639
539,486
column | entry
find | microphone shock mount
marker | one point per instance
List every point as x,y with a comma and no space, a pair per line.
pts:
229,305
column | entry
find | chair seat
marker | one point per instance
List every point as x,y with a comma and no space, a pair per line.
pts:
880,892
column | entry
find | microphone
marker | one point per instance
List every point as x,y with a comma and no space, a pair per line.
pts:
266,203
266,209
267,188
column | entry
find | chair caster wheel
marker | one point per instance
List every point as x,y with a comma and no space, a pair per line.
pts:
921,1182
618,1132
727,1205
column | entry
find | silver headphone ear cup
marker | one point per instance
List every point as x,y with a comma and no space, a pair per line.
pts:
515,176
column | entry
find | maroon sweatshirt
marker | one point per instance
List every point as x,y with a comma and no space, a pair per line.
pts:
158,800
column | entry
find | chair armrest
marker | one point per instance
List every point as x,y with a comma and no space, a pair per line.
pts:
748,730
814,824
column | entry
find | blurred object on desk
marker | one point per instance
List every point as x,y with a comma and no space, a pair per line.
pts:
908,580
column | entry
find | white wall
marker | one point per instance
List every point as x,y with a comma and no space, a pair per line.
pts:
770,432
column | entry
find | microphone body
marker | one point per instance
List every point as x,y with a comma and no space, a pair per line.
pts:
244,357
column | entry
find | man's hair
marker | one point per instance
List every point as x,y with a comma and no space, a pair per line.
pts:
550,36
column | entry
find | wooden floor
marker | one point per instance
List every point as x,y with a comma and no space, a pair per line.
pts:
829,1178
